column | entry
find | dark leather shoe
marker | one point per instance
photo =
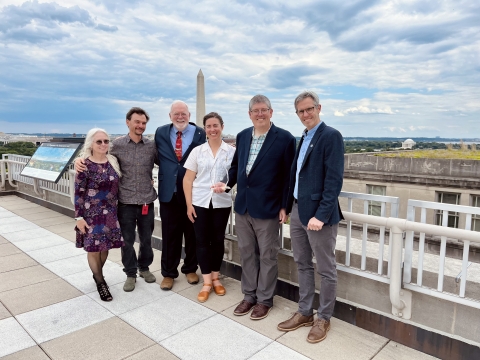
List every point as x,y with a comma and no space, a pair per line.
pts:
260,311
319,331
243,308
192,278
295,322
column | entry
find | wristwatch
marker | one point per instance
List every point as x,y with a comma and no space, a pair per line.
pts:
79,218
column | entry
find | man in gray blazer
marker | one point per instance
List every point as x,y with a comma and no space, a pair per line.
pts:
315,183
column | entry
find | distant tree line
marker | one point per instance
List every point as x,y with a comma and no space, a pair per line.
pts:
374,145
19,148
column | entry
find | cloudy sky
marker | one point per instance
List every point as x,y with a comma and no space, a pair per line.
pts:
382,68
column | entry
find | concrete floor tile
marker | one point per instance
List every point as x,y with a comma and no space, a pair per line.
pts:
35,296
69,265
244,344
217,303
56,220
4,313
115,255
17,261
396,351
282,310
55,253
17,220
166,316
5,214
31,210
41,215
63,318
32,353
69,235
277,351
26,235
3,241
17,226
153,353
109,339
41,242
20,205
355,343
57,229
9,249
13,337
125,301
24,277
83,280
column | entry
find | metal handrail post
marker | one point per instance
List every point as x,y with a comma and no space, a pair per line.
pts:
399,305
3,174
71,179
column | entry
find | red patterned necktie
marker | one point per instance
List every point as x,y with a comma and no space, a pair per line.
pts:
178,146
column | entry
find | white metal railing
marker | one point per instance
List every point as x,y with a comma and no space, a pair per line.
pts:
423,206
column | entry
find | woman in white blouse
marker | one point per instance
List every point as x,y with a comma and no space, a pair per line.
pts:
206,165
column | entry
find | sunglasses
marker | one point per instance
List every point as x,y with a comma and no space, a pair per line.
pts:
99,142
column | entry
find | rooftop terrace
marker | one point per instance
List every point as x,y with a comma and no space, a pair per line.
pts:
49,308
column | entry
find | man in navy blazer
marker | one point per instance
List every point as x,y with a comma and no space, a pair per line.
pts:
315,183
174,143
261,169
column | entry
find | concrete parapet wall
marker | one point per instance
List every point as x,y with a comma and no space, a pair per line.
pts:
457,168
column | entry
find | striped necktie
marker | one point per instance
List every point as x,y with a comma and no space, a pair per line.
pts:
178,146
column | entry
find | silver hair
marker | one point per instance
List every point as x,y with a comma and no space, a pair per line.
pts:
259,99
87,149
179,102
307,94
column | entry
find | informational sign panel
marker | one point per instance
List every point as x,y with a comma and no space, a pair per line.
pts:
50,161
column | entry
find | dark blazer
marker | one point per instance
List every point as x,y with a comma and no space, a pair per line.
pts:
264,192
320,179
171,171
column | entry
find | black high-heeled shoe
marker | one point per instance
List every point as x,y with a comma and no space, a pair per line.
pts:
103,290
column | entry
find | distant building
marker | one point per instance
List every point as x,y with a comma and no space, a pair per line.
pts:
408,144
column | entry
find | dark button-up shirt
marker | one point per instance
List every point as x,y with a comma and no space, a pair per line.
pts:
136,163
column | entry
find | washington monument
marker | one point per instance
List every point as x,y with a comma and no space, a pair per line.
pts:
200,98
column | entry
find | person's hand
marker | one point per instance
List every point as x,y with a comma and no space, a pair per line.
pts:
282,216
191,213
219,187
79,164
82,226
314,224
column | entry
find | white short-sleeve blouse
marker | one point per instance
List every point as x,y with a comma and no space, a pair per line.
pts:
209,169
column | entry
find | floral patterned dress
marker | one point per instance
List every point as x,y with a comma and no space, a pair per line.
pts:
96,201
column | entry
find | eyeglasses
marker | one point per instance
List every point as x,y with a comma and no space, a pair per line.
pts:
309,111
99,142
180,115
259,111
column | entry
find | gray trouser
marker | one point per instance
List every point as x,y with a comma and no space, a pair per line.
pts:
305,243
258,242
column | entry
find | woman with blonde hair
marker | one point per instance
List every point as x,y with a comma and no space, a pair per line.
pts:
96,191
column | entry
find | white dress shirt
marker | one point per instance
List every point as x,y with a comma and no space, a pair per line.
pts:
209,170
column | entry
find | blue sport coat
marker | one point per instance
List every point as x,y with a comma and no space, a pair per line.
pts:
171,171
320,179
264,191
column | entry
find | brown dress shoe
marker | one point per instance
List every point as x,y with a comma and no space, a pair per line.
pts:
219,289
260,311
243,308
192,278
167,283
319,331
295,322
203,295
